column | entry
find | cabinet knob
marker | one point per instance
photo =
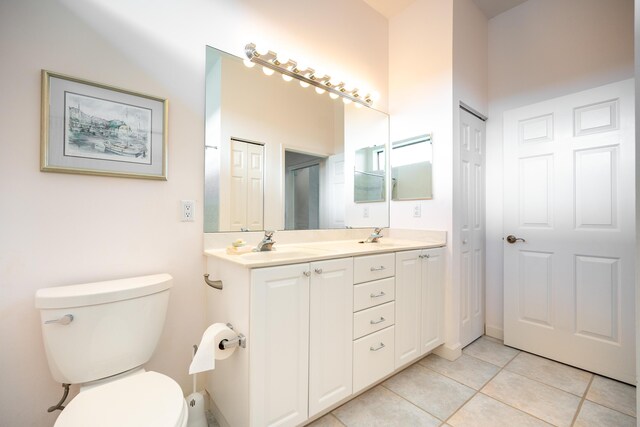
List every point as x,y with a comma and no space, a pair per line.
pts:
306,273
375,322
424,256
380,347
318,270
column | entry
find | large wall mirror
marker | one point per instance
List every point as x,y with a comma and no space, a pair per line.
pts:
280,156
411,168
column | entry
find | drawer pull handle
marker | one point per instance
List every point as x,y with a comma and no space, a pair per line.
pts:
381,294
380,347
377,268
375,322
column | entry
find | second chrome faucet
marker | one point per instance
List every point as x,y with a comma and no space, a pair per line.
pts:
267,242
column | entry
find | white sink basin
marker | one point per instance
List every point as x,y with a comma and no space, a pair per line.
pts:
284,253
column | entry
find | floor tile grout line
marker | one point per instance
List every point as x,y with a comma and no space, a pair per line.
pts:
548,385
584,397
334,416
461,383
410,402
502,368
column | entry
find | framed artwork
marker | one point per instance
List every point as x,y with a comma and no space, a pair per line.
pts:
96,129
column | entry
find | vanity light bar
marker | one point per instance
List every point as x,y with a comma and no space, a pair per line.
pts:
308,75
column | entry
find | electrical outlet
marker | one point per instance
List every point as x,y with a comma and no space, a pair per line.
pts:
417,211
365,212
187,211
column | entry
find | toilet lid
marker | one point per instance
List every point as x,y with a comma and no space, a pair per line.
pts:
146,399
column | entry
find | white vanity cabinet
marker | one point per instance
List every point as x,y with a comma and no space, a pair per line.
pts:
419,303
319,331
301,353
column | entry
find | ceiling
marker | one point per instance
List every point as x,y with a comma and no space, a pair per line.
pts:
490,8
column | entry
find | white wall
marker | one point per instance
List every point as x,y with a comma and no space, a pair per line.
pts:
420,101
539,50
59,229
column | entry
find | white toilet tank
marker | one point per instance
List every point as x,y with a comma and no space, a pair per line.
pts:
116,326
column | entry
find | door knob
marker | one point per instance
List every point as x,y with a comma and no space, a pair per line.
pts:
512,239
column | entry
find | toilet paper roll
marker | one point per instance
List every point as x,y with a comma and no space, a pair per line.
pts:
208,351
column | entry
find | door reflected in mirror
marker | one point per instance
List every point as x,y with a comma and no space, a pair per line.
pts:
369,175
302,191
411,168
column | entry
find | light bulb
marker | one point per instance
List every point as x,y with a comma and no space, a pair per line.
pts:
267,71
358,105
304,84
333,95
248,63
346,100
282,59
286,78
375,96
320,91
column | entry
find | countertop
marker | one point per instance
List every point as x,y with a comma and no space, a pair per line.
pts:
317,251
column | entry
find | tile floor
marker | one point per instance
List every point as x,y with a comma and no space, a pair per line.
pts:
489,385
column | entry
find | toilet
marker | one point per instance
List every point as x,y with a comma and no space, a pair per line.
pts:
99,335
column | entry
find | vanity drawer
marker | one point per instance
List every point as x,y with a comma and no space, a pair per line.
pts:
372,358
373,319
373,267
373,293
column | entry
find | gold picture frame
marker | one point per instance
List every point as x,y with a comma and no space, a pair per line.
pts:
91,128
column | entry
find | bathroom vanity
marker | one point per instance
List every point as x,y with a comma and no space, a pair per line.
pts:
324,321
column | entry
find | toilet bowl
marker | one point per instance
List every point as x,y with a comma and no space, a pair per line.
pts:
138,400
99,335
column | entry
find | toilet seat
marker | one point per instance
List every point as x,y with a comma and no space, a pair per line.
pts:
145,399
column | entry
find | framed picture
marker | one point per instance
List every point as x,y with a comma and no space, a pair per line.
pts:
95,129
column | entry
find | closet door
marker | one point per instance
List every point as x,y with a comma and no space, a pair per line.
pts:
238,187
247,186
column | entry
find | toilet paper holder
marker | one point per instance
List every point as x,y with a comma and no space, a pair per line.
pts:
215,284
240,340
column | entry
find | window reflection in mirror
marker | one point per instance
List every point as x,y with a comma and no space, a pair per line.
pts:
369,176
411,168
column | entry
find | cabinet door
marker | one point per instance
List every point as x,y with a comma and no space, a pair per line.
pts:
432,324
408,306
279,345
331,320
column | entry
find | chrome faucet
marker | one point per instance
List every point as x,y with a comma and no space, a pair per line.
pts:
267,242
373,238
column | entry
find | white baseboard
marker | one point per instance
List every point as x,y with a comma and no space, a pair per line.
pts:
494,332
450,353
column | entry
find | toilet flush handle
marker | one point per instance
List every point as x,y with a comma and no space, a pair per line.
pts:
64,320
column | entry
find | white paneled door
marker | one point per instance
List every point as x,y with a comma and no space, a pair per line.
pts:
471,228
569,230
247,186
